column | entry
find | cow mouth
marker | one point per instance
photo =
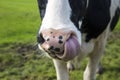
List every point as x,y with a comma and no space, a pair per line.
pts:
71,49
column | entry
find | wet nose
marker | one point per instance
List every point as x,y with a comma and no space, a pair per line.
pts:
60,44
46,45
53,41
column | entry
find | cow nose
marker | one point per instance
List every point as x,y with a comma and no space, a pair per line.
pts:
48,44
40,39
59,43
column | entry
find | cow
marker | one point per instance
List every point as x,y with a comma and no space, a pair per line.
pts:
75,29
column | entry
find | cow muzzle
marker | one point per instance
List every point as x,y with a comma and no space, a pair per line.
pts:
59,44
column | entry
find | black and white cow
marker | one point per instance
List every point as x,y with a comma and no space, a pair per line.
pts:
74,29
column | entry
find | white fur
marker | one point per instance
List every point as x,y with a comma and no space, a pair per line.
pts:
58,17
80,23
115,4
87,3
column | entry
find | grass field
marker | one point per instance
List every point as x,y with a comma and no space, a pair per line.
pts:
19,60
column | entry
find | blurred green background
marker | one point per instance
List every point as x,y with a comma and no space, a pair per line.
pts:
19,59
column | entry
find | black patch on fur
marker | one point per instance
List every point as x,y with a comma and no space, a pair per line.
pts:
42,7
96,19
78,10
115,19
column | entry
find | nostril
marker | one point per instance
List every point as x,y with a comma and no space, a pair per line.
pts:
51,48
40,39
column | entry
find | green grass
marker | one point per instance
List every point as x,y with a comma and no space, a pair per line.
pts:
19,23
19,20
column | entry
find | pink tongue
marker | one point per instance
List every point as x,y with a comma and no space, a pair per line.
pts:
71,49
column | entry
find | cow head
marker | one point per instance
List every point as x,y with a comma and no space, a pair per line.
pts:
59,36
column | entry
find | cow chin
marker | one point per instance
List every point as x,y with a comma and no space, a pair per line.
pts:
71,49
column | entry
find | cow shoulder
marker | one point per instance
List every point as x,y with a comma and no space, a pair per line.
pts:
96,19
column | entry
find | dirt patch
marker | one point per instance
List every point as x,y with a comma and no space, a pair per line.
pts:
19,48
115,35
